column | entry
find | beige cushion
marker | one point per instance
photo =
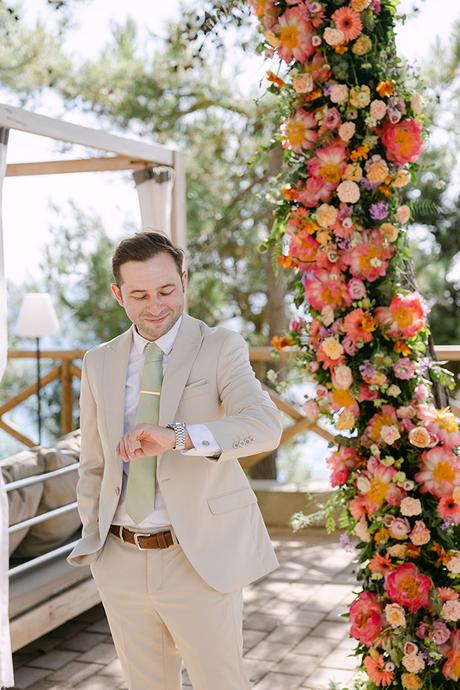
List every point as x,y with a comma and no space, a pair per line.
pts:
23,503
57,492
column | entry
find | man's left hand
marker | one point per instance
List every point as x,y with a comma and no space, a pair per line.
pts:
152,439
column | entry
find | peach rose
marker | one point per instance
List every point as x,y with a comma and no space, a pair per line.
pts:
377,169
333,37
394,613
303,83
339,93
416,103
332,348
411,682
360,96
347,130
342,377
378,109
390,232
362,532
353,172
348,192
456,495
453,564
420,535
403,214
419,437
402,178
360,5
413,663
410,506
326,215
397,551
389,433
451,610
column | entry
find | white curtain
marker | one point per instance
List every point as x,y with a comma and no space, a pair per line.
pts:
6,664
154,189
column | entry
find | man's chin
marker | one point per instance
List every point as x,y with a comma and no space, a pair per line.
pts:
152,330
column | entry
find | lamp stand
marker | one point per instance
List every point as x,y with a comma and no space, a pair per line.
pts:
39,412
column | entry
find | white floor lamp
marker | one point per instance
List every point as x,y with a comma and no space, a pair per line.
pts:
36,319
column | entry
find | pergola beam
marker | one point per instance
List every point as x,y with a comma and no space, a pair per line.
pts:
16,118
80,165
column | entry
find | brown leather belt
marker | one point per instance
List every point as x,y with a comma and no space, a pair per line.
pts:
159,540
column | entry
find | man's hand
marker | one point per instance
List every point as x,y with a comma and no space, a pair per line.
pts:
152,439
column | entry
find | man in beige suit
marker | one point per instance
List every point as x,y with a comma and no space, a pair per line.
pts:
171,549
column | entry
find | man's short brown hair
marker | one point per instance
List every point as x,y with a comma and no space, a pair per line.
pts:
141,247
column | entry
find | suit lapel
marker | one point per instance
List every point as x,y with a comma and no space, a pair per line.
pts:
115,368
185,349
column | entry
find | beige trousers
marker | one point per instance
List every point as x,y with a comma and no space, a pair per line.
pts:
161,611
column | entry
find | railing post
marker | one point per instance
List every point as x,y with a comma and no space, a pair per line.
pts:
66,396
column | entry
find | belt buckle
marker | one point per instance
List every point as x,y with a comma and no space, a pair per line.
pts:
136,536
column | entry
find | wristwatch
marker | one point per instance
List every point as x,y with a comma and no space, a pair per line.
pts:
179,430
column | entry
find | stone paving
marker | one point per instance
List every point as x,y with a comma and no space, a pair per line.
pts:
294,635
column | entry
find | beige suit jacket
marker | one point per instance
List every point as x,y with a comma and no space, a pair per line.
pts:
212,506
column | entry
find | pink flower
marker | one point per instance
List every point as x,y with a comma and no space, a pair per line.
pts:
413,663
342,377
368,261
410,506
299,131
328,164
403,368
402,141
310,408
327,290
366,618
440,472
408,587
358,325
377,669
449,510
405,316
440,632
349,346
356,289
421,392
341,462
451,669
331,118
295,35
399,528
450,612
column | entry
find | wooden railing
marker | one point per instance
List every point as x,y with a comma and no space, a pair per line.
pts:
66,370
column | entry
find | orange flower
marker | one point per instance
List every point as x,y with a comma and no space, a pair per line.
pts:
341,49
289,193
381,536
375,667
385,88
348,22
271,76
360,152
368,323
287,261
401,348
279,342
380,564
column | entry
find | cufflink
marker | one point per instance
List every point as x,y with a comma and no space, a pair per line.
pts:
205,442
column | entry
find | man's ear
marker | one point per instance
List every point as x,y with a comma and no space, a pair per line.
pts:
116,292
184,279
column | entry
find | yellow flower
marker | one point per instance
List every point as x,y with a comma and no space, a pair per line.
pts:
385,88
353,172
362,45
345,421
360,96
411,682
360,5
272,39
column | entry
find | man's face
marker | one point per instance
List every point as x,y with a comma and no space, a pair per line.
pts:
152,294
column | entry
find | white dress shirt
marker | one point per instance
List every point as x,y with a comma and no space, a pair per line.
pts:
158,518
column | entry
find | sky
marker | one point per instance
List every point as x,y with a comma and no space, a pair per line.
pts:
28,201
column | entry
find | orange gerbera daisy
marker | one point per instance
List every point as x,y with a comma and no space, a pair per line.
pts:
348,22
380,564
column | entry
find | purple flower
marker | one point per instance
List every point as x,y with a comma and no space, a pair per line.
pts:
379,210
345,542
367,184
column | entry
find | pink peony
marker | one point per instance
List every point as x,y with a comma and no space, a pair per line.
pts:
402,141
451,669
403,369
299,131
405,316
295,35
407,587
368,261
440,472
366,618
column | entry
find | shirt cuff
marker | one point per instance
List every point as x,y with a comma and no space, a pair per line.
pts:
204,442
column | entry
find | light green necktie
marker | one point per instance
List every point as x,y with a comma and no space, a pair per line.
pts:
140,491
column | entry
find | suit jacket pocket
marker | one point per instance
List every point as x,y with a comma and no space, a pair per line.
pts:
232,500
198,389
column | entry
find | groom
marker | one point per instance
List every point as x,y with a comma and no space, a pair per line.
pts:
171,527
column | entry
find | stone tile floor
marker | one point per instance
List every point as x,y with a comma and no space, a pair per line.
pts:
294,635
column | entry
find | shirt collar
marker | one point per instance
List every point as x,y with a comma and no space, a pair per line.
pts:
164,342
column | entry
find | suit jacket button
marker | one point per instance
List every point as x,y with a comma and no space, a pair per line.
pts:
117,491
235,445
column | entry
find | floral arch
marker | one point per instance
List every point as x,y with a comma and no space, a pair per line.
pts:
352,128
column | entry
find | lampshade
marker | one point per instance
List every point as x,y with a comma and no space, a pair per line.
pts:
37,317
